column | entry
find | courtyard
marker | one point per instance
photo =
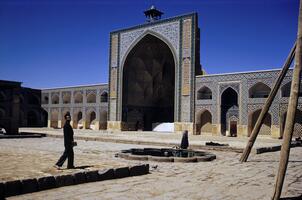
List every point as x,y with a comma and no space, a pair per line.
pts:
223,178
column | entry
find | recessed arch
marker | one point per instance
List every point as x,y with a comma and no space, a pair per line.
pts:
204,93
266,126
66,98
104,96
90,119
45,99
229,107
77,120
91,98
286,88
55,99
152,33
78,98
148,82
203,122
54,118
259,90
298,124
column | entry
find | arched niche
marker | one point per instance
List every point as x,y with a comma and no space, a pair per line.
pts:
148,83
259,90
78,98
104,97
229,107
91,98
204,93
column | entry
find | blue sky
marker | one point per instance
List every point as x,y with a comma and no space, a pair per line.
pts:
54,43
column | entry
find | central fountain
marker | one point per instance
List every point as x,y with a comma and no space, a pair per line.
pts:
166,155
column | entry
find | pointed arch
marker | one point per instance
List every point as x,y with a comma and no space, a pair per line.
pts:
149,32
91,98
104,96
55,99
90,119
259,90
54,118
229,107
203,122
148,81
285,90
204,93
78,98
297,132
266,126
66,98
77,119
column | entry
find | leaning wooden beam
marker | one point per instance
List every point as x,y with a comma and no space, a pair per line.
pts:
267,105
291,112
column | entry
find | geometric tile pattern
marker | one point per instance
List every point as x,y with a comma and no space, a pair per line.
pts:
241,83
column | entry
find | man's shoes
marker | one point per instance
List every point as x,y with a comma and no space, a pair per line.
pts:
57,167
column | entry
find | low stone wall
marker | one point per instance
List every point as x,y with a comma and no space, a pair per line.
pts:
18,187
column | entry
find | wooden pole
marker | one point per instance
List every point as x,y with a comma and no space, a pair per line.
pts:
267,105
291,112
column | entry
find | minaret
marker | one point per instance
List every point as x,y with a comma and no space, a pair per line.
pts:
153,14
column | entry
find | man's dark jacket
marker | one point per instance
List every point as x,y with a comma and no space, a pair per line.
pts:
68,136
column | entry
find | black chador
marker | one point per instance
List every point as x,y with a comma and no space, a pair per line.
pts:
68,143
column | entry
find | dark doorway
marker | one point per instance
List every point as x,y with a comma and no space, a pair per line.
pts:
233,128
229,107
148,84
44,118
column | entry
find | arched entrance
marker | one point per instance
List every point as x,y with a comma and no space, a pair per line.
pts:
266,126
204,122
148,84
54,119
77,120
229,108
90,120
298,124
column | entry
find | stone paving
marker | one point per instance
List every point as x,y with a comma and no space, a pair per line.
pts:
30,158
223,178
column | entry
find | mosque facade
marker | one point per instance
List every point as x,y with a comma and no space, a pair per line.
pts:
155,77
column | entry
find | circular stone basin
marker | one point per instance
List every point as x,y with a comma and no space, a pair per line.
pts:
166,155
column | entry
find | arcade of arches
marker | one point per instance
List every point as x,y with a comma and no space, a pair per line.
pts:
79,121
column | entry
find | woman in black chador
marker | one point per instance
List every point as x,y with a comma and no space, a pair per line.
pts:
68,143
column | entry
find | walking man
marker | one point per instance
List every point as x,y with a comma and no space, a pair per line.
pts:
68,143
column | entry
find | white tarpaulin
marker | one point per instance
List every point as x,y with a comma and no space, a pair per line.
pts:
163,127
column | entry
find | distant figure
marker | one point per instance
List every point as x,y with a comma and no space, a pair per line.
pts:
184,140
68,143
